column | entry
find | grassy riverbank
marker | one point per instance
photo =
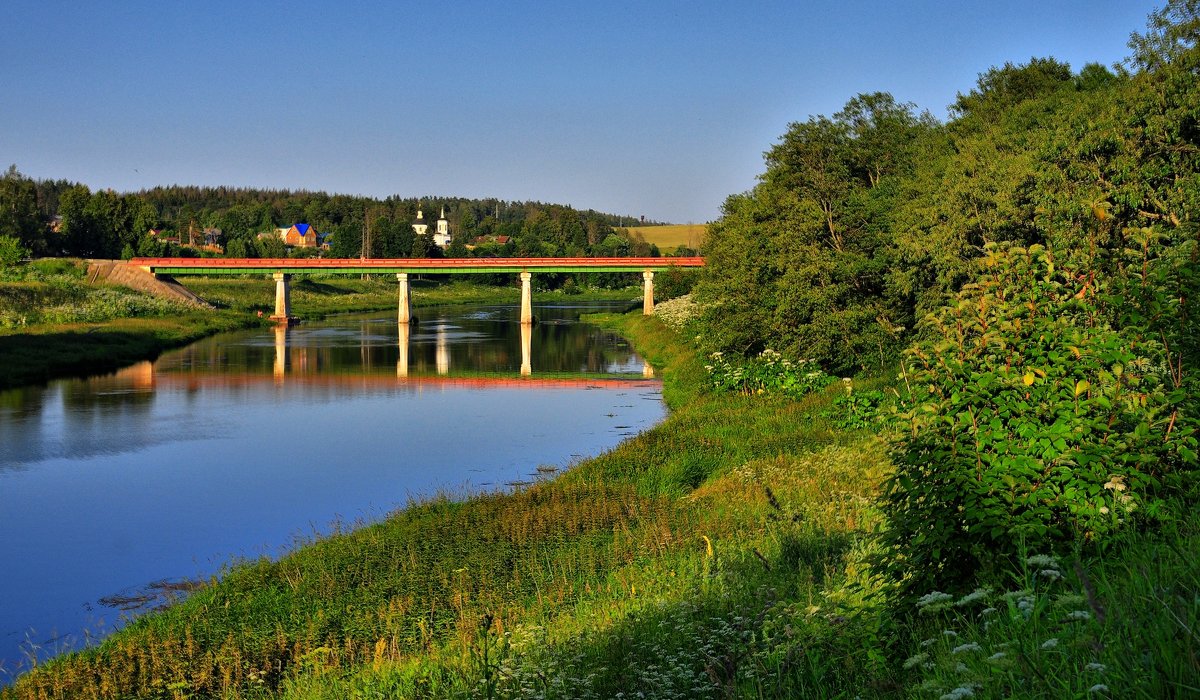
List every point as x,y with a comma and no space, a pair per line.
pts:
721,554
625,562
54,324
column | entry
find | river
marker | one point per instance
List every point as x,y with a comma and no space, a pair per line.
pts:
117,490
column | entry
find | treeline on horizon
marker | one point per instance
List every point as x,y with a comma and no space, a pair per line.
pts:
105,224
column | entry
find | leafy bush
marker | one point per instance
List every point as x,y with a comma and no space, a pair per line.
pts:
11,251
770,372
675,282
1031,418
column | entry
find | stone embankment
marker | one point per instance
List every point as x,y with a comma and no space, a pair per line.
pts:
124,274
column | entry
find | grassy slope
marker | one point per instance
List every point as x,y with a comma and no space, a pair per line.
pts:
670,237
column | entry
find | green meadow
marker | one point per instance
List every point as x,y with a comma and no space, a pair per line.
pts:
670,236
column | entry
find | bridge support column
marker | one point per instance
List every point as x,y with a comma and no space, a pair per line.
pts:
283,297
648,293
526,298
405,311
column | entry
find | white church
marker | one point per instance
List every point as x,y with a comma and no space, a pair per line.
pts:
442,236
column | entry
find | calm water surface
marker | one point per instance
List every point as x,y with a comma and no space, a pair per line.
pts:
114,489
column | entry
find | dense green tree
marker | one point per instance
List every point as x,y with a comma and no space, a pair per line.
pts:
800,263
19,215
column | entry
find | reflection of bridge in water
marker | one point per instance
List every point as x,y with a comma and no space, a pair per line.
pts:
299,365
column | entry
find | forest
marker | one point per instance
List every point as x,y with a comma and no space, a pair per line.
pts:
58,217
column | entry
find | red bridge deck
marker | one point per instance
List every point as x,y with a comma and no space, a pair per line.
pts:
210,266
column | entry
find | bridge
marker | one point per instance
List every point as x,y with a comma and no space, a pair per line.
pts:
282,270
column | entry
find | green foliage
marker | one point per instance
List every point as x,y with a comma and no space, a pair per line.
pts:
19,215
770,372
857,409
11,251
801,262
1031,418
674,282
1118,626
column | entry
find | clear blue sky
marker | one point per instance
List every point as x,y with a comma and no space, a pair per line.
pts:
648,108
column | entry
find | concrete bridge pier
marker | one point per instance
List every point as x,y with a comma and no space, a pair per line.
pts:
648,293
405,311
283,297
526,298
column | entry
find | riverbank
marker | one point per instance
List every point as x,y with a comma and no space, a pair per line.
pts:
711,526
723,553
56,325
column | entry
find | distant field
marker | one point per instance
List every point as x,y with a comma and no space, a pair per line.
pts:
668,238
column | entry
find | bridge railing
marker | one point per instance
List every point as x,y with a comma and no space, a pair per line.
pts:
423,263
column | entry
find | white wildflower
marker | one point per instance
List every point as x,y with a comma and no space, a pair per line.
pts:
949,633
997,656
936,598
1043,561
959,693
1097,667
988,611
1052,574
976,595
1098,688
1050,643
1079,615
963,648
915,660
1115,483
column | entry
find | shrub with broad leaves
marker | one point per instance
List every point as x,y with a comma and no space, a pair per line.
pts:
1031,417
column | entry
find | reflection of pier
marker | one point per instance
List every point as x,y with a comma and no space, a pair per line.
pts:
294,369
378,381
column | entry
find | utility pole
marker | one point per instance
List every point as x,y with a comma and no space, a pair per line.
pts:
365,253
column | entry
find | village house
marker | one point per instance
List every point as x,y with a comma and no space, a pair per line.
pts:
299,236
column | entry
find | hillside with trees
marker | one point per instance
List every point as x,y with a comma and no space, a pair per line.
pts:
105,224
